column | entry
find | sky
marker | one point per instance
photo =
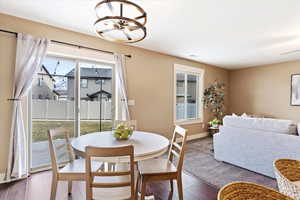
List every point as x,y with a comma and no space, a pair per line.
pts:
63,68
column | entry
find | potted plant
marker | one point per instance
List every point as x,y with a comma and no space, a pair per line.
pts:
213,99
214,123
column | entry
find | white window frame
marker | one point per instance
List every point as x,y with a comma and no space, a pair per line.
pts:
187,70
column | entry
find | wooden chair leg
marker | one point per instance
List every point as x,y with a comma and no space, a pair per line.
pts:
137,187
179,186
69,187
143,189
53,188
171,184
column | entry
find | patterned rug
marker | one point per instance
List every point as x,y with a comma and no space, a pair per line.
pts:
199,161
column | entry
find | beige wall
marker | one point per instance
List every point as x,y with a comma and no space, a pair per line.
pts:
149,74
264,90
7,56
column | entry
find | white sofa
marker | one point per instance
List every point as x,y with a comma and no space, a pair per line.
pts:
254,143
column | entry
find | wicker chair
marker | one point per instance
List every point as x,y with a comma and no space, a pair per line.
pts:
244,190
287,173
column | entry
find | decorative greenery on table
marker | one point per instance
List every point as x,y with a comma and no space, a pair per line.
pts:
213,99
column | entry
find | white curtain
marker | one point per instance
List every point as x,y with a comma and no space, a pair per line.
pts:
121,101
30,53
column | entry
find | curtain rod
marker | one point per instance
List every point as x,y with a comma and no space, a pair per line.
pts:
69,44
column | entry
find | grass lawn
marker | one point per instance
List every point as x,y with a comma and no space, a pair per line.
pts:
40,128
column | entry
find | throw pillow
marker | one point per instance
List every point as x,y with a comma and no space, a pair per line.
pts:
234,115
244,115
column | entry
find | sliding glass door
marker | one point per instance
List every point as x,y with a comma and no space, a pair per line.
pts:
69,93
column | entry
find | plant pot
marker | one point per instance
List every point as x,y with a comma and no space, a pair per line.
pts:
215,126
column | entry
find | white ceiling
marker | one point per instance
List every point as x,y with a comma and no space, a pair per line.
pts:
227,33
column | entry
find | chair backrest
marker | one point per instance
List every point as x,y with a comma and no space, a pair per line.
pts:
93,153
61,150
128,123
177,150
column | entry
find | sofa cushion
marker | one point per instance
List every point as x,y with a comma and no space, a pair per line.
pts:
263,124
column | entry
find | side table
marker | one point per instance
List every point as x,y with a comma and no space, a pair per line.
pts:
213,130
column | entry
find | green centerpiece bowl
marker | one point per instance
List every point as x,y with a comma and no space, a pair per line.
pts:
122,132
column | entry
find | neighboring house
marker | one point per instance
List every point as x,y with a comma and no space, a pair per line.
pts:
43,85
94,82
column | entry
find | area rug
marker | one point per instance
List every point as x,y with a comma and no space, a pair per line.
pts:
200,162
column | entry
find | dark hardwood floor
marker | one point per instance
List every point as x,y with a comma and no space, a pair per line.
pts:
37,187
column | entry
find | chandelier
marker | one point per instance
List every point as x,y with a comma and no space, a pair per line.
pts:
120,21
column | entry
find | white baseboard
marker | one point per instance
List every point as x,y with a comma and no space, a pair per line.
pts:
195,136
2,175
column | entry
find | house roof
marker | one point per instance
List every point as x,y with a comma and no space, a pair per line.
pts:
95,94
92,73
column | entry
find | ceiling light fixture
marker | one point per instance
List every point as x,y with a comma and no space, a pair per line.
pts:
120,21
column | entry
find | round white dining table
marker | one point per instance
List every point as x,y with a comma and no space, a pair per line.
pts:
146,145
